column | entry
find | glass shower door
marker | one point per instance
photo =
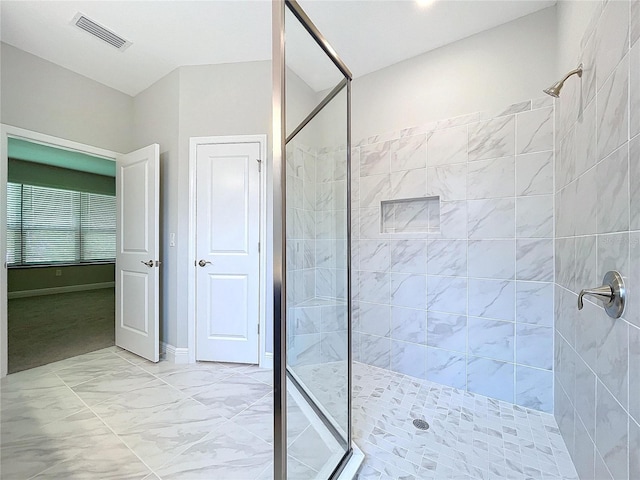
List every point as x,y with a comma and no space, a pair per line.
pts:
313,322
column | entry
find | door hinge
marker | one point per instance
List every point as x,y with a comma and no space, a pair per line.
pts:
258,329
259,164
258,247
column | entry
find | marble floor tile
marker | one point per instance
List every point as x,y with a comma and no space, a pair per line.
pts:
238,393
228,454
133,419
211,420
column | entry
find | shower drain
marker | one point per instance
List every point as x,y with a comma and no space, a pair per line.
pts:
420,424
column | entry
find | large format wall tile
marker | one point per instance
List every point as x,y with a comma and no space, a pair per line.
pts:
447,331
534,388
409,358
534,173
612,38
534,303
449,368
535,131
534,217
613,192
613,110
375,159
448,181
409,325
611,433
409,153
490,378
534,346
492,299
447,146
491,178
491,339
447,257
492,138
459,289
595,363
634,90
493,218
492,259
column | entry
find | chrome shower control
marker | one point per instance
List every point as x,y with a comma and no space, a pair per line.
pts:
612,293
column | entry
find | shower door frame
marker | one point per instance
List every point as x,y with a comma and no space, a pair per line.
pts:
280,140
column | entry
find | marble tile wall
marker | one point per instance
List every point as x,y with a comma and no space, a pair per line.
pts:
470,303
316,255
597,215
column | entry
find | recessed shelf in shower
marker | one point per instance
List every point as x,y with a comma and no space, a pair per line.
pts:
410,215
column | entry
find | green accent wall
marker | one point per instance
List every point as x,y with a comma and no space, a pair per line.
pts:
41,175
57,157
35,278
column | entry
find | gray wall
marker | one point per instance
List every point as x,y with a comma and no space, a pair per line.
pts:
37,95
229,99
597,359
155,119
486,71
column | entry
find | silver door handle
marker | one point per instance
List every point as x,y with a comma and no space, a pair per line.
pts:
203,263
148,264
612,293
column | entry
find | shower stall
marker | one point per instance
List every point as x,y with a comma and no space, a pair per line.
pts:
311,177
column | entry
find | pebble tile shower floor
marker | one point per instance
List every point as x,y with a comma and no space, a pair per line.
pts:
470,437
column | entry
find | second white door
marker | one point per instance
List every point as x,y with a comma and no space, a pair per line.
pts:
227,251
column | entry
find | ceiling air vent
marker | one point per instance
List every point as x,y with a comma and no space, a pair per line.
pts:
100,32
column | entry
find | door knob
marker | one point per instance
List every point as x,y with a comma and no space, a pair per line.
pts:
203,263
148,264
612,293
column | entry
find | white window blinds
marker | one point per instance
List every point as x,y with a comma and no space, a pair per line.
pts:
50,225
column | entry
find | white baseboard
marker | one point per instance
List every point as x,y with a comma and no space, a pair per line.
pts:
173,354
55,290
267,360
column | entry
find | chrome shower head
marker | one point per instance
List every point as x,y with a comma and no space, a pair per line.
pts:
554,90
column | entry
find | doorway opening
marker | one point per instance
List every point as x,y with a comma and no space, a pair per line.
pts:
61,232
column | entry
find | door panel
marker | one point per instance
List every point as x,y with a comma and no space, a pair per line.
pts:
230,182
134,309
135,179
137,252
228,225
229,297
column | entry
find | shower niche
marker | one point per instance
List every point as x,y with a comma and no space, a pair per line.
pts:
410,215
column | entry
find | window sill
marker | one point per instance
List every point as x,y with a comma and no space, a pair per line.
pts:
57,265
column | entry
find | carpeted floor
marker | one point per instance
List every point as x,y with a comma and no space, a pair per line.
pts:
49,328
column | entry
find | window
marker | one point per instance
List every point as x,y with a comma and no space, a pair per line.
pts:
51,225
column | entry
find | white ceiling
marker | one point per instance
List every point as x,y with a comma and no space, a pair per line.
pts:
368,35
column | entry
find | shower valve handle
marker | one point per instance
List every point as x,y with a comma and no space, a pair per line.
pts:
603,293
612,293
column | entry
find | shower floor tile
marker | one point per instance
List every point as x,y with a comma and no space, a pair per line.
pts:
469,437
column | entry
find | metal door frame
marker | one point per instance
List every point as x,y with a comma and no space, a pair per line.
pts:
280,140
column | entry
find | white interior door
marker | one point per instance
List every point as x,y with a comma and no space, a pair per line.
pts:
227,251
137,252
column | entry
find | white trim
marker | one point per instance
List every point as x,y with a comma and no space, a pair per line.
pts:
191,283
353,465
171,354
7,131
266,360
55,290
